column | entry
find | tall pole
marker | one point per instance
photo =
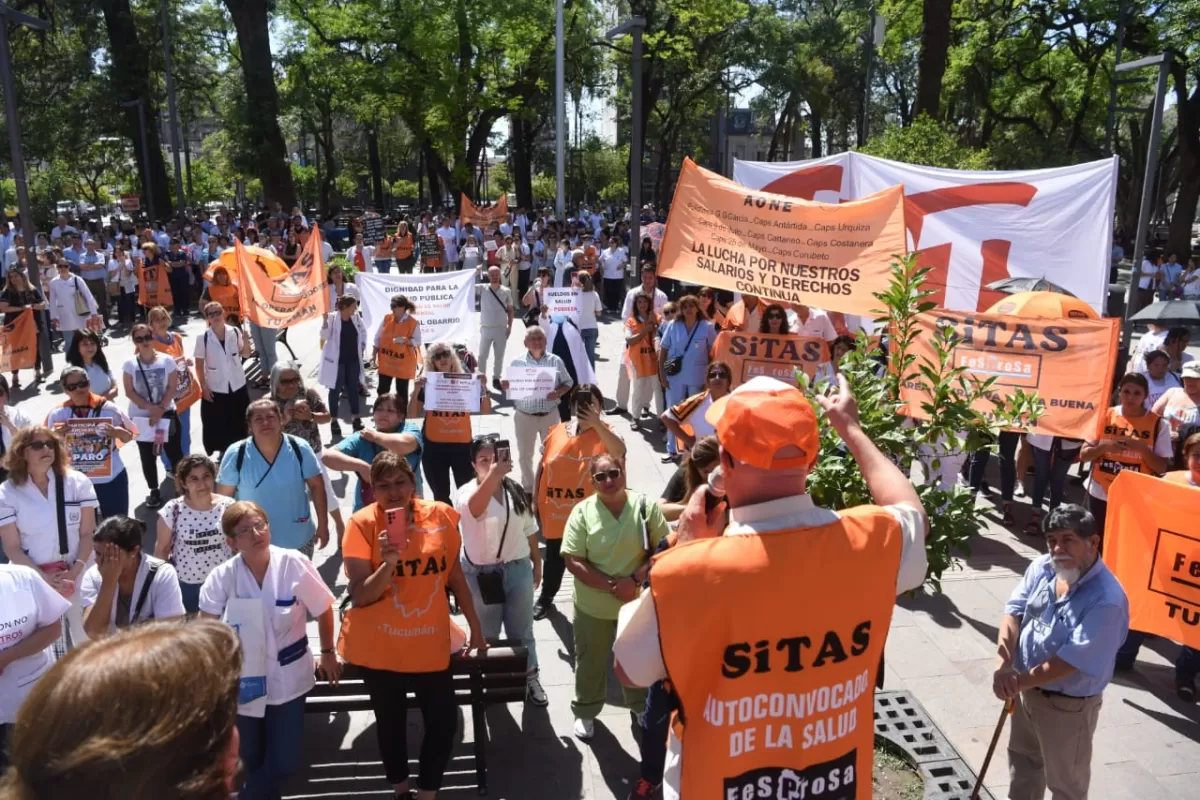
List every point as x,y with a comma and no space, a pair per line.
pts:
866,112
560,111
16,154
149,185
1110,125
172,108
635,148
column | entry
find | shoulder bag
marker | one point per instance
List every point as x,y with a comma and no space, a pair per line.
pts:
674,366
82,307
491,584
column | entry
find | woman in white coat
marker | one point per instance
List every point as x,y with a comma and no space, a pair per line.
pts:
68,296
345,338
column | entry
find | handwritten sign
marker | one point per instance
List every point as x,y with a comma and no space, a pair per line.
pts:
562,302
447,391
372,229
530,383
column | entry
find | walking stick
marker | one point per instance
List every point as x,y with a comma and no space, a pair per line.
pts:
1004,712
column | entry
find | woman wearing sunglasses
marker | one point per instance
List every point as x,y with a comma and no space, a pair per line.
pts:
38,474
447,434
774,320
607,545
187,390
151,381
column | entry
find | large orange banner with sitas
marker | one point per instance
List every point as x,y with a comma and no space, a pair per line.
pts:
18,343
289,299
483,217
1152,546
750,355
1069,363
781,248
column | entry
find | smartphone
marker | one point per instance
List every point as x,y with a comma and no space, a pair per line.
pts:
503,451
584,398
397,527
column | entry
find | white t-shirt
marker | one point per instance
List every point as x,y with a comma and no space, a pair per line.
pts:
1162,448
223,372
481,536
291,589
27,603
613,262
1148,272
150,381
1159,387
450,241
696,420
198,545
1150,341
107,411
589,304
660,300
36,516
19,419
163,601
818,326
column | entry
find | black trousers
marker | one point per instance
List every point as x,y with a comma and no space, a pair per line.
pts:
385,386
439,459
435,698
173,447
223,421
614,293
553,568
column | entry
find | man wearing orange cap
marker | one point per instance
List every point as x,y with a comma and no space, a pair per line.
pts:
771,634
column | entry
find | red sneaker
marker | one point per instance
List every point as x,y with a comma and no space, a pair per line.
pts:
644,789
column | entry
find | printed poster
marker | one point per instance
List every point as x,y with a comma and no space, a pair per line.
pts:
445,391
445,303
91,452
776,356
431,251
530,383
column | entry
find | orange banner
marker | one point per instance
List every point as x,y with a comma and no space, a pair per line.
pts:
153,287
781,248
18,343
777,356
1152,546
1068,362
483,217
287,300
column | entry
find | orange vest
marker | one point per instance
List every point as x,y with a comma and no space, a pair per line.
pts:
227,296
402,246
1109,465
642,354
778,705
385,247
398,360
188,390
153,287
564,476
408,628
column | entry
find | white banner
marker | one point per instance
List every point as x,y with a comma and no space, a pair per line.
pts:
530,382
976,227
562,302
446,391
445,303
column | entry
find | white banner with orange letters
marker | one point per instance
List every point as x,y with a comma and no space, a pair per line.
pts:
289,299
780,248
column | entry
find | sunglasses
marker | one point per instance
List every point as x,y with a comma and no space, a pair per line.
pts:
289,381
774,316
40,444
70,387
143,339
718,376
606,475
216,312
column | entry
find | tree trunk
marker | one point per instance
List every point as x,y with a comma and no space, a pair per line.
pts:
935,44
262,99
814,133
376,168
330,164
432,163
1179,233
520,166
131,72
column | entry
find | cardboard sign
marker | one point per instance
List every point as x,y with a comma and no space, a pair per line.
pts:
298,296
1152,546
774,355
530,383
372,229
131,203
18,343
782,249
1068,362
654,232
562,302
91,452
431,251
445,391
471,214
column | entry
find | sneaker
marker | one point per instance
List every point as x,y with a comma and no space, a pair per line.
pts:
584,729
643,789
154,500
1019,489
335,429
670,459
356,424
540,611
534,692
617,411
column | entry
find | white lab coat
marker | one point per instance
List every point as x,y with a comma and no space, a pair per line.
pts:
62,303
331,332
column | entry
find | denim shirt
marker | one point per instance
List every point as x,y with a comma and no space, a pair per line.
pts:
1084,627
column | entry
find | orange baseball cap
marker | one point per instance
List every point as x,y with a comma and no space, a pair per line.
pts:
761,417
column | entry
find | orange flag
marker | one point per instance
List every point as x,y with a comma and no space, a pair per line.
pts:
18,343
153,287
752,354
297,296
470,213
1152,545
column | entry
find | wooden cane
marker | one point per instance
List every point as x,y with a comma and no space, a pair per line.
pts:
1008,709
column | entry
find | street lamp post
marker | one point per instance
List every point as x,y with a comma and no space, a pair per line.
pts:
16,155
634,26
147,184
560,202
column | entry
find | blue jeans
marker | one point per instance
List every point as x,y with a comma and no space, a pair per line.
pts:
516,612
659,705
589,336
185,441
113,496
677,392
180,289
347,381
1051,472
270,749
191,596
383,265
68,336
264,343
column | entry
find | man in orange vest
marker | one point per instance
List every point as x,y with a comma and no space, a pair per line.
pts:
770,635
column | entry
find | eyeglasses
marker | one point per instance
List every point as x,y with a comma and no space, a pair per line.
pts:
774,316
258,527
289,381
40,444
70,387
143,339
606,475
216,312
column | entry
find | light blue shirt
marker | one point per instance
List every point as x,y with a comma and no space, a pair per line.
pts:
93,266
1084,627
695,358
1170,273
279,487
73,254
356,446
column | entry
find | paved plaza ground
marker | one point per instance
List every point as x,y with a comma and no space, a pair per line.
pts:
940,648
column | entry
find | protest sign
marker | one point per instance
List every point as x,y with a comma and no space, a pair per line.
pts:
483,217
153,287
131,203
91,452
562,302
18,343
431,250
445,303
530,382
1068,362
781,248
289,299
774,355
446,391
372,229
1152,546
654,232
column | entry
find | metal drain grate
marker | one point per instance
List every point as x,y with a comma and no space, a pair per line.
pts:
901,720
949,780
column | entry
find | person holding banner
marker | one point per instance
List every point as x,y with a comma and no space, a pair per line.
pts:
111,486
774,320
710,307
397,348
745,314
687,421
345,340
641,358
533,417
1133,439
19,295
683,358
223,291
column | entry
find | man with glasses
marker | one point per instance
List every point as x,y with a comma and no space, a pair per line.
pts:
533,417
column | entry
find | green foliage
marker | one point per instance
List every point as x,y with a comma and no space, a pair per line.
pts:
405,190
545,188
926,142
953,427
340,261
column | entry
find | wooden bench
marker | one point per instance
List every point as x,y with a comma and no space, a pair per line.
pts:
479,681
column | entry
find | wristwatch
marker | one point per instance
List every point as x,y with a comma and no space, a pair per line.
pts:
327,651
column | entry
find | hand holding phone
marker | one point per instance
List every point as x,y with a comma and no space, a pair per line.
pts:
397,527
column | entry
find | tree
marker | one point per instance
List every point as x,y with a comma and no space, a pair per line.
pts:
935,46
925,142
